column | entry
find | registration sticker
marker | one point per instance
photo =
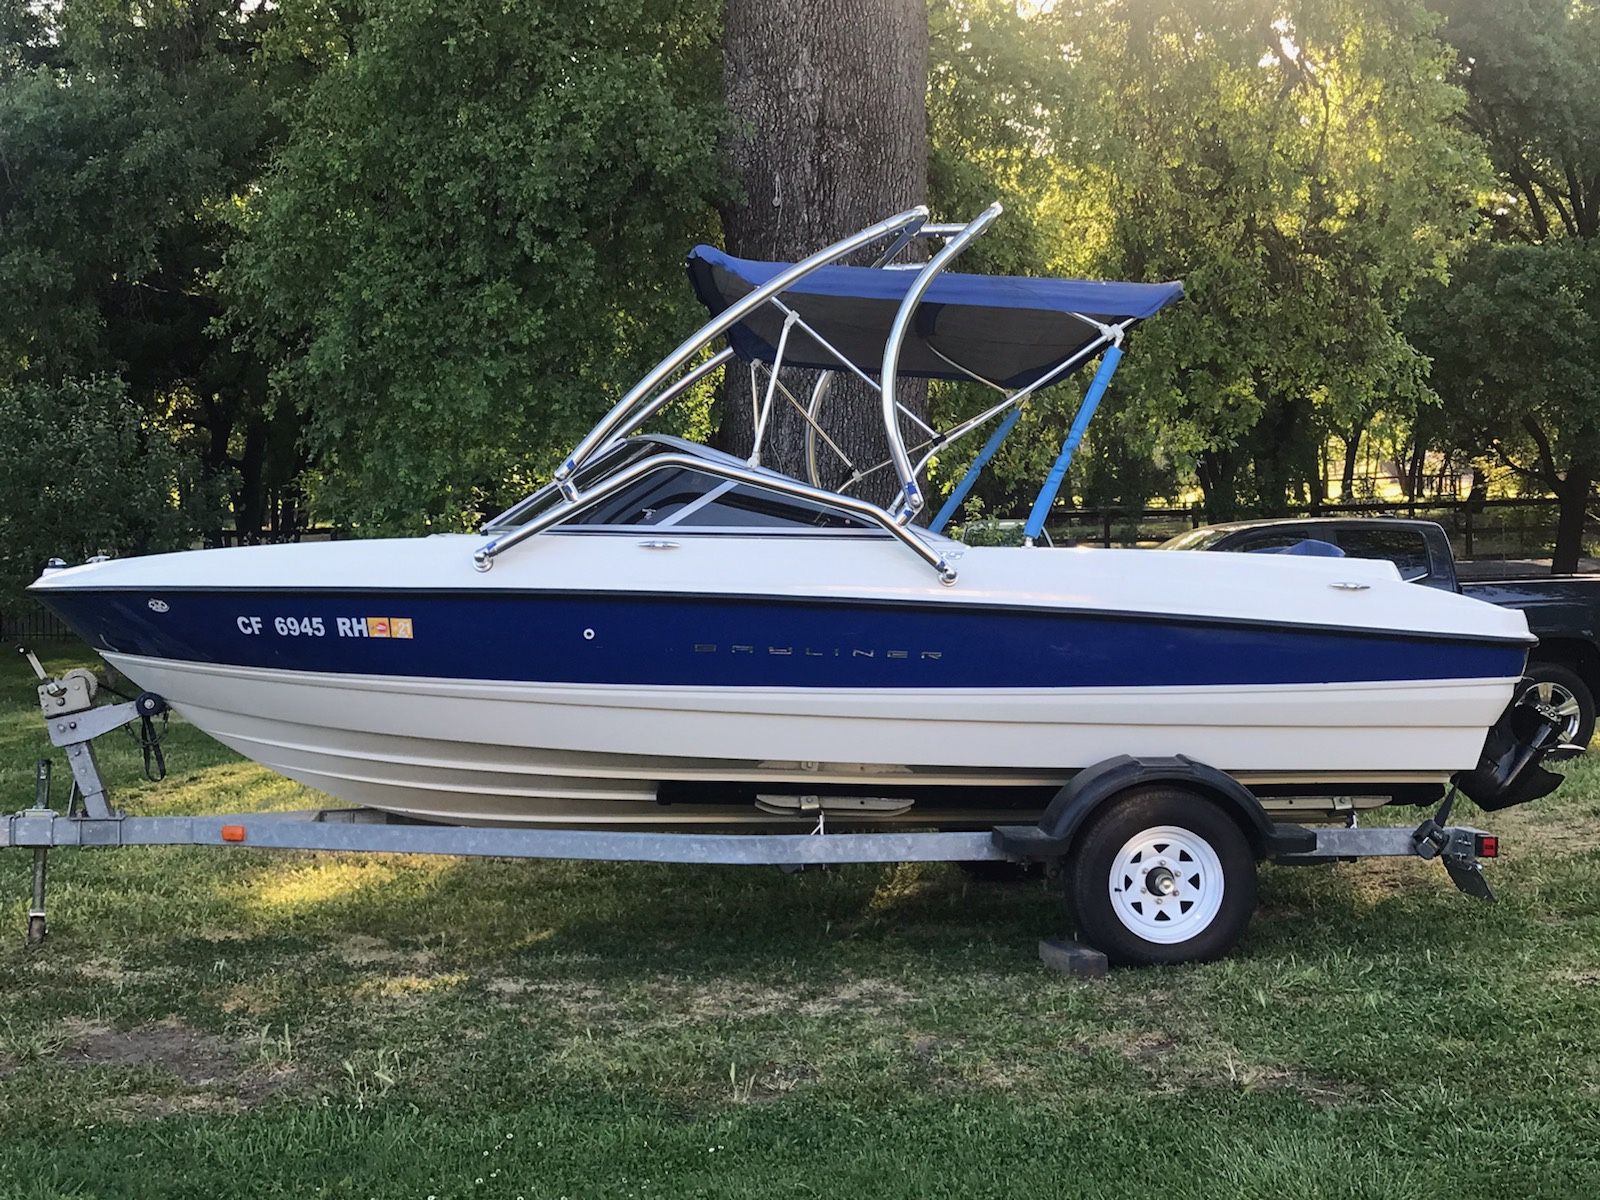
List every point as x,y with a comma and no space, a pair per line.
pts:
345,627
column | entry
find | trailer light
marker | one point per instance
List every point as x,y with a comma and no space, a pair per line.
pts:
1488,846
233,833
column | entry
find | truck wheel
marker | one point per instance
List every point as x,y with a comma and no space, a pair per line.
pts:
1565,691
1162,875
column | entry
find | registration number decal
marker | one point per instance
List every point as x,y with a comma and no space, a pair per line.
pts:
347,627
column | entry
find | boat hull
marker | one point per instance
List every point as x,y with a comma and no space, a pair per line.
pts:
391,674
518,753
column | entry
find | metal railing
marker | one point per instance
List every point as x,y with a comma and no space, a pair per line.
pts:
624,417
636,407
37,625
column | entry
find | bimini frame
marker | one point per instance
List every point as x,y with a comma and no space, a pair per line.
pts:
678,372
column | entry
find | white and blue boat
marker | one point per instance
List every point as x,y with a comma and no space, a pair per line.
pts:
666,635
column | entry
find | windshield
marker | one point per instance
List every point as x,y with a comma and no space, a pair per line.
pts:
679,498
604,464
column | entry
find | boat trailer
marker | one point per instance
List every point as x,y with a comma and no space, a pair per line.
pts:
90,821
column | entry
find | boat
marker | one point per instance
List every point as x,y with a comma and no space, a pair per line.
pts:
667,636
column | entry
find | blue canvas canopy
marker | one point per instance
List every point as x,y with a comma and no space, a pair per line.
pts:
1009,330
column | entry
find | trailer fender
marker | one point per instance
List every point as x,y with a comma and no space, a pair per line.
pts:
1094,787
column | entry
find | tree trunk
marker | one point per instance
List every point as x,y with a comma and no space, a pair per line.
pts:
1573,493
827,108
1352,454
1418,466
1274,451
1218,474
250,497
218,417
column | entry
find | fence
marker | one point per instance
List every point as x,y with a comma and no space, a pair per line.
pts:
25,626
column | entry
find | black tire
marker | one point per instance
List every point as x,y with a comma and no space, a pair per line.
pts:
1563,686
1103,842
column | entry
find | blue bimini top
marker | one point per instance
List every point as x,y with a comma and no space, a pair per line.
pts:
1009,330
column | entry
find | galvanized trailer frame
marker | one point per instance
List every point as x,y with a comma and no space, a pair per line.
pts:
91,821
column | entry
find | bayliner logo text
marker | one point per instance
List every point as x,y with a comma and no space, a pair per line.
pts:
814,652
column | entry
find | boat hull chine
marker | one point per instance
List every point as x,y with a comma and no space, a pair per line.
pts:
470,750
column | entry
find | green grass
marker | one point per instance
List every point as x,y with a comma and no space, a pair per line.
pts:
224,1023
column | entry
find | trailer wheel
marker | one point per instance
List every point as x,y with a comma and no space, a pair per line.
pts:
1162,875
1564,690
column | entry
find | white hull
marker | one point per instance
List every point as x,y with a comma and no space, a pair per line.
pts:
467,751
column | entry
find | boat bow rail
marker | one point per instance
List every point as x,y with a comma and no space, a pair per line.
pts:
878,324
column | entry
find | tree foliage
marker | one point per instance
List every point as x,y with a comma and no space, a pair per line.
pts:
471,241
1532,70
1514,340
87,472
1295,164
125,134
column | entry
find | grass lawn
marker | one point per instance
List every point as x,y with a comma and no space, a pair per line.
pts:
224,1023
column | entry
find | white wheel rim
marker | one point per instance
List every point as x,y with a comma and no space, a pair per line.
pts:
1166,884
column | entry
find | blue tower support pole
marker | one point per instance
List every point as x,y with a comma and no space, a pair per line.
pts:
952,505
1080,423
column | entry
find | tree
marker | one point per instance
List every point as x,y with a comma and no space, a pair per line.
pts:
1532,71
124,136
1004,96
1293,162
827,133
1518,369
469,244
1515,341
1287,162
88,472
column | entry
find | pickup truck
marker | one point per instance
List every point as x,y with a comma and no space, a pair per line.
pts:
1563,611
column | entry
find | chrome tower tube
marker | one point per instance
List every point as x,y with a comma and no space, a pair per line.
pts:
911,496
911,219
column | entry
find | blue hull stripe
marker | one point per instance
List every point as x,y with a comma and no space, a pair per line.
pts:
606,638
